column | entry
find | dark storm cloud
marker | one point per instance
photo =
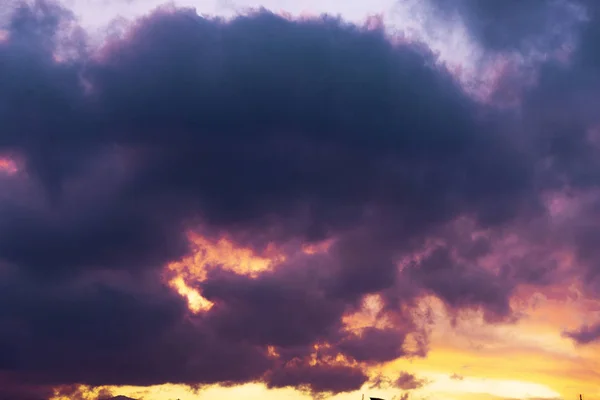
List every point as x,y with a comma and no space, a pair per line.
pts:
560,114
558,110
375,345
318,378
514,24
313,115
461,285
285,308
102,334
263,128
99,236
307,128
292,308
11,391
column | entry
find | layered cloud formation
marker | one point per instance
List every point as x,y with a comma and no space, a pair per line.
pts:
348,174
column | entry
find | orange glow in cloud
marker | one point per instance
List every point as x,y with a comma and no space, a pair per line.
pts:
227,255
196,303
369,315
223,253
7,165
317,248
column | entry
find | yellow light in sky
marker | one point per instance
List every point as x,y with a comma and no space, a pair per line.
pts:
508,389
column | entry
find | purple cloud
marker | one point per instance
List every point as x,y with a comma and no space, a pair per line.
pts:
407,381
585,334
277,132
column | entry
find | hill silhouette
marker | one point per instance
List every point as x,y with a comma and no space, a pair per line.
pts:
121,398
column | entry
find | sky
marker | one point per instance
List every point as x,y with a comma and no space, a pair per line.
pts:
299,199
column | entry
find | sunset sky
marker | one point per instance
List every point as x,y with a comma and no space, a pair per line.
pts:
300,199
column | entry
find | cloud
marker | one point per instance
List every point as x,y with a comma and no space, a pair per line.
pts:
10,390
585,334
269,132
407,381
404,380
516,25
451,280
135,131
319,378
457,377
556,115
379,381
